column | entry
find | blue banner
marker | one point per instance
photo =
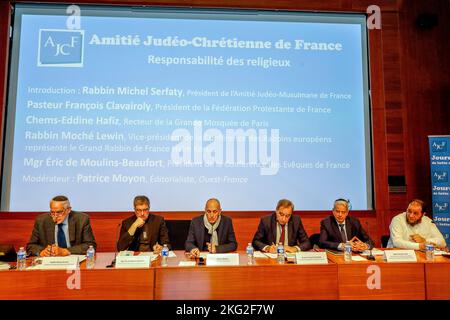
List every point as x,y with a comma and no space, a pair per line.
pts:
440,183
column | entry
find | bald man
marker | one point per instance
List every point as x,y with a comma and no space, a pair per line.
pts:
211,231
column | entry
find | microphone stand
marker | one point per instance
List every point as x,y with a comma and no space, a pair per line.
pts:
113,263
370,256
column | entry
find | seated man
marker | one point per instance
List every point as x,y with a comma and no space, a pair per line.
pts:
339,228
211,231
412,229
281,226
61,232
143,231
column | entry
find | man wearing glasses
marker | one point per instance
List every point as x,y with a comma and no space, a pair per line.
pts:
143,231
62,232
281,226
211,231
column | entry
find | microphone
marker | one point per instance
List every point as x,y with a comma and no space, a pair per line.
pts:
113,263
370,256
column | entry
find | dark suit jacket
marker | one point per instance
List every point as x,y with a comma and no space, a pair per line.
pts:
330,234
267,233
80,233
156,229
225,234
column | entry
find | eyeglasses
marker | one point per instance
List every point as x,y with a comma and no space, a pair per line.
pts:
142,210
57,213
212,212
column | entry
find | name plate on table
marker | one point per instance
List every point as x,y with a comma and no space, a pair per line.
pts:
132,262
222,259
54,263
400,256
311,258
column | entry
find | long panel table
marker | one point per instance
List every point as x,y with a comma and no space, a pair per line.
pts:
100,283
266,279
366,280
437,274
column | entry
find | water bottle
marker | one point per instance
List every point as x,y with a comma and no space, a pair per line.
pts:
164,255
250,253
21,259
280,253
348,251
429,248
90,257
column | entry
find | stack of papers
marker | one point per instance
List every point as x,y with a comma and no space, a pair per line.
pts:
375,252
358,258
149,253
81,257
4,266
438,252
259,254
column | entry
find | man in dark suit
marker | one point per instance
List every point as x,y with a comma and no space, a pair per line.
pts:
143,231
281,226
211,231
62,232
335,230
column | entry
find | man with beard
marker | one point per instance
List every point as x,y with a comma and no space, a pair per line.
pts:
143,231
412,229
62,232
212,231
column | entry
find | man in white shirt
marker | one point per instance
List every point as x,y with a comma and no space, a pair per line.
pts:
412,229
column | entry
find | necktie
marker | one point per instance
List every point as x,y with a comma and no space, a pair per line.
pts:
282,235
343,235
61,237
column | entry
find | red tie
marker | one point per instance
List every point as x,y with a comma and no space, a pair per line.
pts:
282,235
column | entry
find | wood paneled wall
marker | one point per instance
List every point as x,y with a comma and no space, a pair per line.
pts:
410,96
16,228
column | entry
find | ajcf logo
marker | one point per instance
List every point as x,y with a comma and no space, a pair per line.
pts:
441,207
440,176
60,48
439,146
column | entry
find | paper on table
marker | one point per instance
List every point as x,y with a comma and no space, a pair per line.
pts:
204,255
81,257
358,258
259,254
187,264
125,253
152,256
4,266
271,255
375,252
145,253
